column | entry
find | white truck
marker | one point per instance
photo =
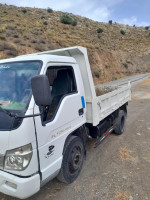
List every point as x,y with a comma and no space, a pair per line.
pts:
48,107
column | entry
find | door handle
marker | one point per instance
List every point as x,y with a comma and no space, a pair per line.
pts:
81,111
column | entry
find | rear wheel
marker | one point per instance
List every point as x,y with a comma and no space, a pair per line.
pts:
120,123
73,158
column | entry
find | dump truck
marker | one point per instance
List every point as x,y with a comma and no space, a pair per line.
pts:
48,109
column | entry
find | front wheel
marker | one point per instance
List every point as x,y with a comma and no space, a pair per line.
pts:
120,123
73,158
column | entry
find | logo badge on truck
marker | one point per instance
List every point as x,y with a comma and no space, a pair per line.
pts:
50,151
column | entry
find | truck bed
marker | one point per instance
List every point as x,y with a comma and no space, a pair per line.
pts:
105,104
97,107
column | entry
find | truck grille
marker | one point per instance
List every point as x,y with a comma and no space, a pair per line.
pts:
1,161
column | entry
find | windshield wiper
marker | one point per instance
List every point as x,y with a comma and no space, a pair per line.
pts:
7,111
17,116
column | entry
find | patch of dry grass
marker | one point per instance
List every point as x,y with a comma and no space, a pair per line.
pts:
147,158
125,154
78,188
122,195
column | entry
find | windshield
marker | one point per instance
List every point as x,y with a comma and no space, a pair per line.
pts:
15,83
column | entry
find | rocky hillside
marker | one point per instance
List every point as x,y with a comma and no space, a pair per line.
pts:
116,51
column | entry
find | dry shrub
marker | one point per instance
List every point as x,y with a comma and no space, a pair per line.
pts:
40,47
33,41
42,41
10,27
53,46
9,49
11,53
22,44
6,46
17,41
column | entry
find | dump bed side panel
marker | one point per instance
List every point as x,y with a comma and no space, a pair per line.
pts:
105,104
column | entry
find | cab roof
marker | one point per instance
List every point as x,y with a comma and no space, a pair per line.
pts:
45,58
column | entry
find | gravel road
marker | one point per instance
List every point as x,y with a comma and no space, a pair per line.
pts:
119,168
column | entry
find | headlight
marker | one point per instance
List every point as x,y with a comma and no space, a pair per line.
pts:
18,159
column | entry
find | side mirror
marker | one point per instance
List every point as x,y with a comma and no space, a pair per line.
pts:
41,90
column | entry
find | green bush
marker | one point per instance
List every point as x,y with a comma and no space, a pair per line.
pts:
96,74
42,17
45,23
99,30
49,10
107,66
74,23
114,78
129,62
2,37
146,27
24,10
122,32
65,19
110,22
125,65
16,36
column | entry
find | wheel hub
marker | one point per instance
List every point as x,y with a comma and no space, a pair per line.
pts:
76,158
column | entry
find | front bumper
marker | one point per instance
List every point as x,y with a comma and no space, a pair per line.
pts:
19,187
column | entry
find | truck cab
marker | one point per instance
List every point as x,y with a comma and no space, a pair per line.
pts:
35,144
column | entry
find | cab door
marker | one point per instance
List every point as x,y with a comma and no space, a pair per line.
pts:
65,114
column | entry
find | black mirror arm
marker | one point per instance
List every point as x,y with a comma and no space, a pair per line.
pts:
27,116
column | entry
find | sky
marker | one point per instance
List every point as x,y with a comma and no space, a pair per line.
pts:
131,12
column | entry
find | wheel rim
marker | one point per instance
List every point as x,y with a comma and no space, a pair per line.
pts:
75,159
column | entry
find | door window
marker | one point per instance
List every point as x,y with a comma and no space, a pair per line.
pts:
62,83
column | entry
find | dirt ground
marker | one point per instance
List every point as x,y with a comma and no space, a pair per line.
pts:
119,168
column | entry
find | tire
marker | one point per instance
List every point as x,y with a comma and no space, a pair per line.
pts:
120,123
73,158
